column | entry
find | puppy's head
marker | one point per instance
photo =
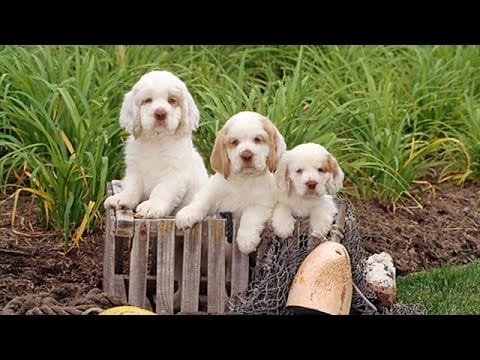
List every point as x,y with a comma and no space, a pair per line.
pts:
310,170
159,104
248,143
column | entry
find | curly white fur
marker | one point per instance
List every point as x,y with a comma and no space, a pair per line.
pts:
245,153
163,169
307,177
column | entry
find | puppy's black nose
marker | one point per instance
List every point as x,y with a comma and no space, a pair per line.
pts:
311,184
160,114
246,155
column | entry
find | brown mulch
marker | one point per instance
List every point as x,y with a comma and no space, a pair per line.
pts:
445,231
39,263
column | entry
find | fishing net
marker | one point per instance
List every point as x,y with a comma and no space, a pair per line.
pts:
278,260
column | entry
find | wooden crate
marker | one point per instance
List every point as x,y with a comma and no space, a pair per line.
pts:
139,262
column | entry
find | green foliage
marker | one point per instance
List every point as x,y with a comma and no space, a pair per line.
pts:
450,290
398,118
467,128
394,133
60,135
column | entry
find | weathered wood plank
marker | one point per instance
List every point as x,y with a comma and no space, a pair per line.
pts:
120,289
165,266
192,243
125,223
109,250
216,266
120,243
124,226
138,264
239,265
154,224
338,228
151,279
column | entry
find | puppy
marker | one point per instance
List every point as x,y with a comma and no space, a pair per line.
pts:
163,169
246,152
307,177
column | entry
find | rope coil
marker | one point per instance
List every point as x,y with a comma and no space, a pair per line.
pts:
64,300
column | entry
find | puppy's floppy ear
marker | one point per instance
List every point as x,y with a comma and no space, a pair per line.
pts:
130,115
218,158
276,143
190,113
336,176
281,175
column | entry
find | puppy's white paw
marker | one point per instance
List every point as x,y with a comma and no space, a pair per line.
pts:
283,226
187,217
148,209
321,230
121,200
247,244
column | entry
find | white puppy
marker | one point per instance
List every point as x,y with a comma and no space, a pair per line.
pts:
163,169
307,177
245,153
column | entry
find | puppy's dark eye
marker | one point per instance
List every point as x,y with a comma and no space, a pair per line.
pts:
321,170
299,171
147,101
234,142
258,140
172,100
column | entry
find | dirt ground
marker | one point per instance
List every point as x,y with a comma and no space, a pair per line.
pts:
445,231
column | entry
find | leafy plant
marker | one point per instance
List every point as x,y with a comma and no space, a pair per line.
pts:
398,118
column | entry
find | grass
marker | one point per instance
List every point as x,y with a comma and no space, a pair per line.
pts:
59,133
450,290
397,118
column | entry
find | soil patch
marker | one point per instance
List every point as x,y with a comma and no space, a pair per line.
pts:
445,231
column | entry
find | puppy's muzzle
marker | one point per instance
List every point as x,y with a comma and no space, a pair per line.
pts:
160,116
247,157
311,185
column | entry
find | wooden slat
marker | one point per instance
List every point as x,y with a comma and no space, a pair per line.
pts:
239,265
109,250
216,266
192,243
124,226
138,264
125,223
152,270
120,243
165,266
151,279
338,228
120,289
203,300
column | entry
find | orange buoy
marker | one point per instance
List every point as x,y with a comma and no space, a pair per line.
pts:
126,310
323,281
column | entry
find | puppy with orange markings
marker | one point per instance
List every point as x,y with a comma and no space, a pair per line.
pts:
163,168
307,177
245,155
